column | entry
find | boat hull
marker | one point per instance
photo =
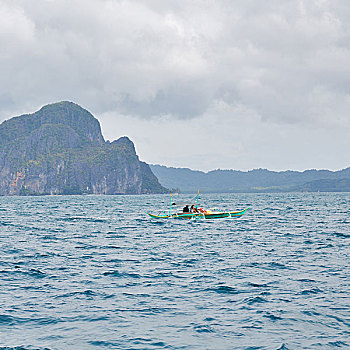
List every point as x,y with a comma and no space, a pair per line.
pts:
207,216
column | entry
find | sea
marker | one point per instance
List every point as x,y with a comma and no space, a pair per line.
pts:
96,272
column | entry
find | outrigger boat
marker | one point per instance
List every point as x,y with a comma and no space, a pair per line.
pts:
199,214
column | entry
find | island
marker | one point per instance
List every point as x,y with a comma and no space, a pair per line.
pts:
60,150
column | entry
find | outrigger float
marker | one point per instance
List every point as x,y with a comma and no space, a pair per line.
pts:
199,213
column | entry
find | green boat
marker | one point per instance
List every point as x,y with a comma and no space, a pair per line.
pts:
199,214
208,215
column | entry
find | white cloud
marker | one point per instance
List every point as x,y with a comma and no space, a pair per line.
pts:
257,73
231,137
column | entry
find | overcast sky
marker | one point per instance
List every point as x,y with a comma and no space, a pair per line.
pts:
237,84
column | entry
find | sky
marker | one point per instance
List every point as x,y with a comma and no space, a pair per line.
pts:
229,84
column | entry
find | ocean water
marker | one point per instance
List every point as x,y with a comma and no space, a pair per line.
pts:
95,272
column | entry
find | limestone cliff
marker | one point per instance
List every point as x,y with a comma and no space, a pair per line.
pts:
60,150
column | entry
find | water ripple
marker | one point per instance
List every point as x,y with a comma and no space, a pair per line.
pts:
93,272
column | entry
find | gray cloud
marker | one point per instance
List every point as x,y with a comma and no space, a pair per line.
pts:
285,62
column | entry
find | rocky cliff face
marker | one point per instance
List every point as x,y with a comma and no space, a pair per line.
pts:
60,150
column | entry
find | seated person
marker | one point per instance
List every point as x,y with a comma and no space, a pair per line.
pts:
186,209
194,209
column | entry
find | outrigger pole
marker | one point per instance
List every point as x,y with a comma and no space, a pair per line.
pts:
170,206
197,198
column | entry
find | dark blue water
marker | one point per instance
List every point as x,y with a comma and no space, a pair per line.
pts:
94,272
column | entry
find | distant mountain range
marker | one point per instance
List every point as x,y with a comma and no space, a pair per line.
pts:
257,180
60,150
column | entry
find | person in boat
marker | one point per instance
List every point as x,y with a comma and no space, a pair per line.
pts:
194,209
186,209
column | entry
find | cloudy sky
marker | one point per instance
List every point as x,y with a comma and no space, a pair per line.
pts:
209,84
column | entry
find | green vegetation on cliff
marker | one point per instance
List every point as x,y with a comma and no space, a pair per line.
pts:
60,150
257,180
